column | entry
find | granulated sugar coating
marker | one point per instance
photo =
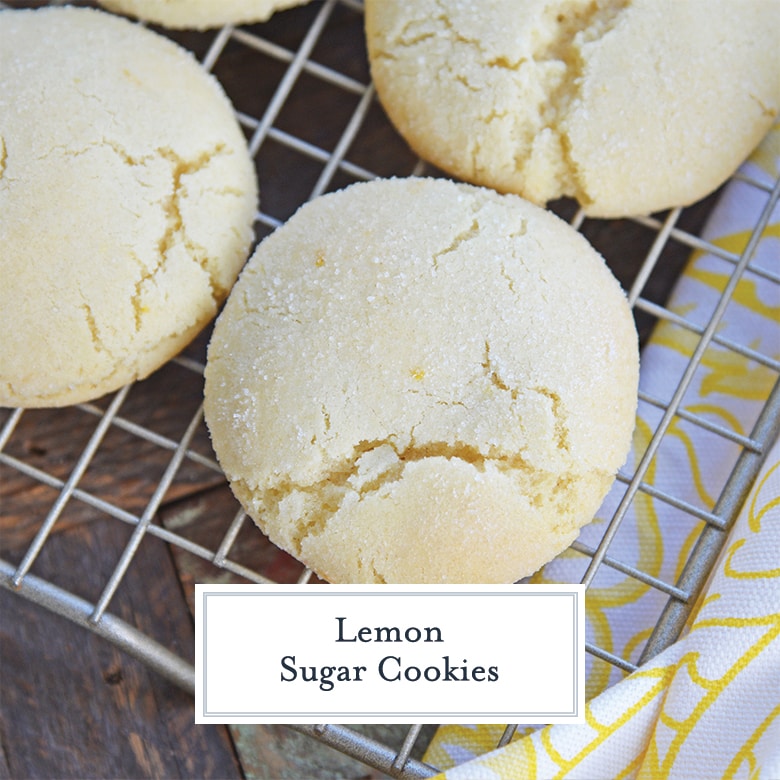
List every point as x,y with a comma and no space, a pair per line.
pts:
127,198
629,106
417,381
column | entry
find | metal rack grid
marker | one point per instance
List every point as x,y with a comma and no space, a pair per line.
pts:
301,153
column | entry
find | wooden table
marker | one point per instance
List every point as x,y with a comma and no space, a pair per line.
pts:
71,704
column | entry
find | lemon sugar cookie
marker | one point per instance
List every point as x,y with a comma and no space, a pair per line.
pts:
421,381
629,106
127,200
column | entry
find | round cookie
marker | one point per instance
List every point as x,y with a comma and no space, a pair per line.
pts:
127,200
629,106
420,381
200,14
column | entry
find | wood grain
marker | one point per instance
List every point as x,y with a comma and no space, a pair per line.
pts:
73,706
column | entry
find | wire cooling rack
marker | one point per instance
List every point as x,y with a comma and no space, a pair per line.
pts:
301,88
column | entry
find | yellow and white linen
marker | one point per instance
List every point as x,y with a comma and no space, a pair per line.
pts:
709,705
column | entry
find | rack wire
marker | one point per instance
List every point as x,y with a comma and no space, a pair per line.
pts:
301,87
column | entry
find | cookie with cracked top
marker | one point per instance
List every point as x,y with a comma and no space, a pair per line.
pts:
629,106
420,381
127,200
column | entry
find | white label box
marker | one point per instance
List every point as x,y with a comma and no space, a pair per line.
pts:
309,654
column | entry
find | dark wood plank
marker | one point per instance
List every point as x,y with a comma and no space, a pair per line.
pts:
279,753
127,466
204,520
75,706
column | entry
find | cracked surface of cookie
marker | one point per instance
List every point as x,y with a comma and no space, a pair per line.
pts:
200,14
419,381
629,106
127,197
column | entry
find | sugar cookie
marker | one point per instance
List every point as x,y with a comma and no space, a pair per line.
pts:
127,197
416,380
629,106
